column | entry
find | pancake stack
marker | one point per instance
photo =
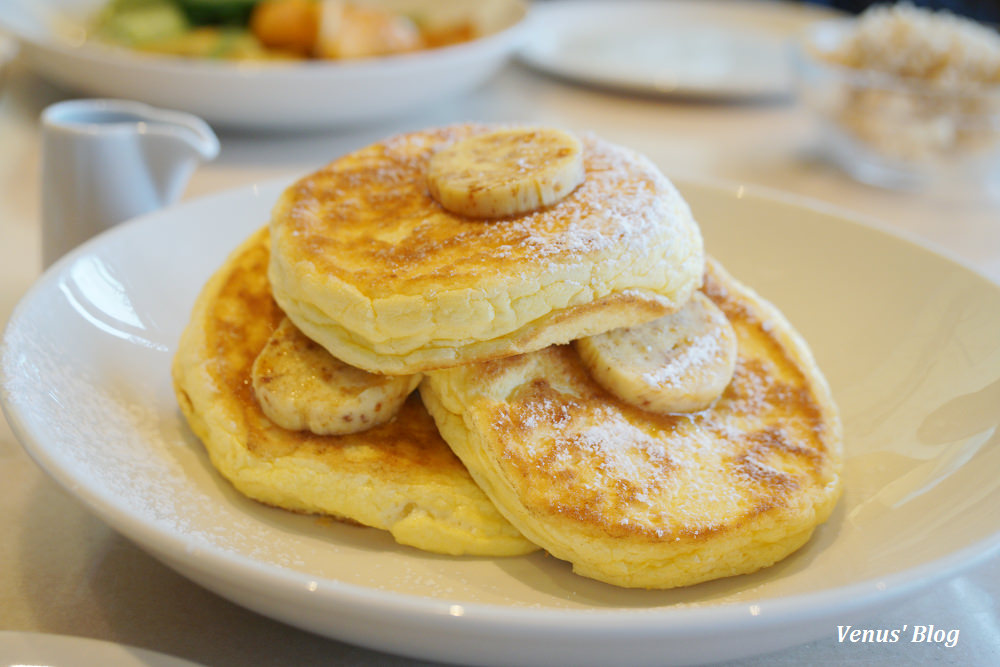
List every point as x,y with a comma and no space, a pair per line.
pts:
492,339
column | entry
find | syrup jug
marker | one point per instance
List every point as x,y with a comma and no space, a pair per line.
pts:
105,161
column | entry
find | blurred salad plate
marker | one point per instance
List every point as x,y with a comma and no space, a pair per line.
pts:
204,57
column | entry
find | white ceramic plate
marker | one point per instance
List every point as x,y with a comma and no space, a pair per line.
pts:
706,49
910,342
19,649
290,96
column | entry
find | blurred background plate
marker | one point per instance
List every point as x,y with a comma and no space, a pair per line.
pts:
276,96
707,49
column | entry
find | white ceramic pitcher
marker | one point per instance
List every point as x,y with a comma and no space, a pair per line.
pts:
105,161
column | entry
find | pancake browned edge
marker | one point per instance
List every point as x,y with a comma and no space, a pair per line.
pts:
647,500
400,476
366,263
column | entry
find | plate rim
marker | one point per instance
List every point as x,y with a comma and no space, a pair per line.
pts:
709,617
550,11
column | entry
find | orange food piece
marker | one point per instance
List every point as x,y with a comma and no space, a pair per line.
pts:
353,31
289,25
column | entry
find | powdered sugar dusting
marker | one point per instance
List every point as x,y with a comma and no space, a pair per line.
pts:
582,454
595,463
626,453
698,352
381,193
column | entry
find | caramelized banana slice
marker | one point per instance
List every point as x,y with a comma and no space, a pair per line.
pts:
300,386
680,362
506,172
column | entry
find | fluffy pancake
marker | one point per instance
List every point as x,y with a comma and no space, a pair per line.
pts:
366,262
399,476
640,499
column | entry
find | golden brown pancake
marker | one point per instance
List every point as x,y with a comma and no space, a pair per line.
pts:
366,262
399,476
640,499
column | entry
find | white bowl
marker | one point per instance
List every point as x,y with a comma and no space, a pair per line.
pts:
275,96
894,131
909,340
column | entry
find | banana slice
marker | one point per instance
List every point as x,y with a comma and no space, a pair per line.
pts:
506,172
680,362
300,386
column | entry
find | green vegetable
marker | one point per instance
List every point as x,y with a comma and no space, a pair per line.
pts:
135,22
233,43
218,12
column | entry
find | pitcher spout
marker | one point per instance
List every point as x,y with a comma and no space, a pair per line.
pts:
174,144
105,161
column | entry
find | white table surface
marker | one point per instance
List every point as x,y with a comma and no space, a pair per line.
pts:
63,571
